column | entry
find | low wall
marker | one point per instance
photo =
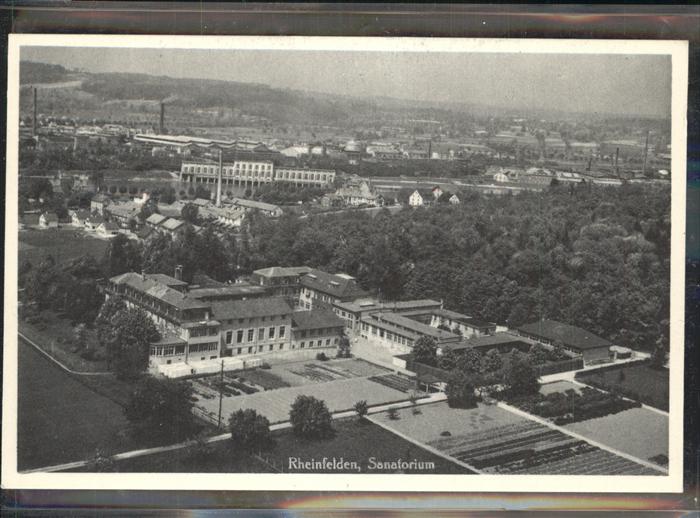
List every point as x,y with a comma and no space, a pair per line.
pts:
560,366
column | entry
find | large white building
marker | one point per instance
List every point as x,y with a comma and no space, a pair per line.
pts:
252,173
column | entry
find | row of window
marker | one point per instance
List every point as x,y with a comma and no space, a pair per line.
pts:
392,337
248,335
315,332
174,350
209,346
204,331
254,319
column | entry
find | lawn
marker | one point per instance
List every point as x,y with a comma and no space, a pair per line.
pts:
354,441
639,382
63,244
59,418
640,432
56,336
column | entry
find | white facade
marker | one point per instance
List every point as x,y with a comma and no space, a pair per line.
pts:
415,200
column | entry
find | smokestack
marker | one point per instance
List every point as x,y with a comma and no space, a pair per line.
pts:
178,272
34,124
617,158
161,125
218,185
430,148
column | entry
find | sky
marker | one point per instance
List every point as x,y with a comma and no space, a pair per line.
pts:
602,84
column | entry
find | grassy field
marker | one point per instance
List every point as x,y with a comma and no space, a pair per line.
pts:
638,381
638,431
354,441
63,244
57,337
59,418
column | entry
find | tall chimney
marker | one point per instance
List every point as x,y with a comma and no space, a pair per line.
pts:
221,170
34,122
646,152
161,124
617,158
178,272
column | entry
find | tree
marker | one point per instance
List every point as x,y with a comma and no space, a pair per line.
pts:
121,255
520,376
492,361
460,390
425,350
538,354
469,361
658,357
250,431
448,359
80,333
190,213
128,340
361,408
392,413
310,418
160,409
344,347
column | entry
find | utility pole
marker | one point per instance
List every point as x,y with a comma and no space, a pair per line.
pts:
221,392
219,179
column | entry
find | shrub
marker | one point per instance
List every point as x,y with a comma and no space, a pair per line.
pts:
266,366
321,357
460,390
361,408
250,431
393,413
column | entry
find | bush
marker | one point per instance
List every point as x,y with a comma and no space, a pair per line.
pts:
393,413
322,357
250,431
265,366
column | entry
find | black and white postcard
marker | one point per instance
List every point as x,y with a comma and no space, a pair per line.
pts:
370,264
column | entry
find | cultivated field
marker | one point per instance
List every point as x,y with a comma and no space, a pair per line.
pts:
59,418
63,244
494,440
339,395
314,371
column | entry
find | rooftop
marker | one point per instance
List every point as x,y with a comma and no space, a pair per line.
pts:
155,219
567,334
402,322
316,319
226,291
158,290
172,224
258,307
370,305
252,204
282,271
490,341
335,285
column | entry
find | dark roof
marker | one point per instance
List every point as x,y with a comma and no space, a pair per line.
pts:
394,322
49,216
316,319
165,279
568,335
334,285
453,315
226,291
158,290
423,305
282,271
490,341
258,307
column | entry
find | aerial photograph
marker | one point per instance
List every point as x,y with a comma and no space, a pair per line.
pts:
321,261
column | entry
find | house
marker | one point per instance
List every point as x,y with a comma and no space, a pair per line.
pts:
155,220
78,217
463,325
420,198
437,192
123,213
173,226
281,281
316,329
352,312
99,202
571,338
108,229
454,200
357,192
398,333
231,217
321,289
94,221
48,220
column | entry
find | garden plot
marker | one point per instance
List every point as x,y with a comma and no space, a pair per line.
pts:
339,395
322,371
494,440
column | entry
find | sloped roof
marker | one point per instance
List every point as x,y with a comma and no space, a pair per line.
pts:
566,334
109,225
252,204
334,285
172,224
412,325
257,307
156,289
49,216
316,319
155,219
490,340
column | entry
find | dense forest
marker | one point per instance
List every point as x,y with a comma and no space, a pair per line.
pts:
590,256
